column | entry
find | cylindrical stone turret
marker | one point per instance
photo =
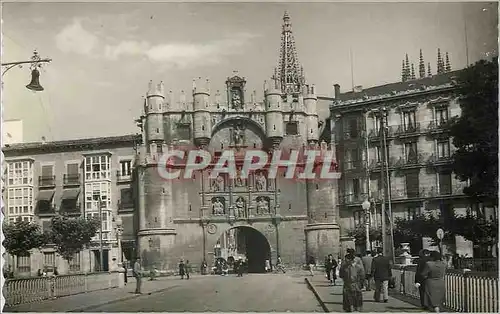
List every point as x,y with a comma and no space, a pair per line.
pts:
274,113
310,103
201,106
154,113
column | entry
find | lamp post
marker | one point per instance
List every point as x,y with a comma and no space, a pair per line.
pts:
35,63
366,207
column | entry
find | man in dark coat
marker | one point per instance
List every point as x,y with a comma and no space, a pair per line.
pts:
423,257
381,273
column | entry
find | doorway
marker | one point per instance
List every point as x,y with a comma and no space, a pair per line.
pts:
246,243
97,260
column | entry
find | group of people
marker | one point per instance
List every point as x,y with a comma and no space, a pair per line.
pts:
429,279
357,274
184,269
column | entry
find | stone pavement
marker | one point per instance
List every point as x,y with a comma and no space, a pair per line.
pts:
86,301
331,297
250,293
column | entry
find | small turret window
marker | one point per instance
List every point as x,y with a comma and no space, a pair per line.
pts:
203,128
221,145
254,145
157,130
274,126
311,131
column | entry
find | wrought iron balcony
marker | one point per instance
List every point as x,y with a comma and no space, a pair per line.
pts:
351,165
353,199
47,181
408,130
71,209
376,165
374,134
123,177
435,160
438,126
126,205
45,209
434,191
411,161
353,136
71,179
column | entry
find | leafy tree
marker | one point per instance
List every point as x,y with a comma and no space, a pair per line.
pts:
475,132
70,235
481,232
359,234
22,236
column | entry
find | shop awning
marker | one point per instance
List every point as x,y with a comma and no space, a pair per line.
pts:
45,195
70,194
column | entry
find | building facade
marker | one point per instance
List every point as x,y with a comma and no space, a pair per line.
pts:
418,149
72,178
187,218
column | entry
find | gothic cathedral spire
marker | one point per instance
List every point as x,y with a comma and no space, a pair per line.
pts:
290,73
421,65
440,63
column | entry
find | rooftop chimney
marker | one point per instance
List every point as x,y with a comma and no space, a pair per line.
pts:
336,91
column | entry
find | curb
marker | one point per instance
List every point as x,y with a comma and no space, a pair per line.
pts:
90,307
316,294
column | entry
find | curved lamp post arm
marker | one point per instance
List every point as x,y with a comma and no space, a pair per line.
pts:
35,60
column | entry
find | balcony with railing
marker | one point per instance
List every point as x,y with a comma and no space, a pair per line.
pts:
121,177
46,181
408,130
70,208
353,165
376,165
438,126
125,205
72,179
456,190
411,161
353,136
374,134
352,198
435,160
45,208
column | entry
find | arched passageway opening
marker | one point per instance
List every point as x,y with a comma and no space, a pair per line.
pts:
247,244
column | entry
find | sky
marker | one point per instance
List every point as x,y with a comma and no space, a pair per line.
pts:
104,54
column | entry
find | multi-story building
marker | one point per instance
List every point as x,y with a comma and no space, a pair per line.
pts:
418,147
187,218
73,178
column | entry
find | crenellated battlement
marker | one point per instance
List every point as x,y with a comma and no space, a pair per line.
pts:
156,90
201,86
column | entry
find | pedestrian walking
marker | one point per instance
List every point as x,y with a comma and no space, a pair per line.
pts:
239,265
367,266
331,269
268,265
187,269
182,269
138,275
353,276
204,267
423,258
279,265
433,273
311,262
381,272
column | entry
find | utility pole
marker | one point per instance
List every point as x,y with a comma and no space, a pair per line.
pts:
101,260
388,185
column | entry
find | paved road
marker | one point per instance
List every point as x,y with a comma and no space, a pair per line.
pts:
252,293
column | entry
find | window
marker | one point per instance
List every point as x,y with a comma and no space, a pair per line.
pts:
49,260
105,224
412,184
443,149
126,199
72,174
412,212
20,173
20,201
378,153
359,218
74,262
292,128
125,168
441,116
409,120
97,167
24,264
355,187
411,152
445,183
184,131
97,194
353,128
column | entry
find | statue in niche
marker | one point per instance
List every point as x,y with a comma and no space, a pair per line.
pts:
239,181
236,101
217,207
240,207
260,182
262,206
218,184
238,134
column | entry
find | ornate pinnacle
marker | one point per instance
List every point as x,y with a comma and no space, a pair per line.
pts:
403,72
413,72
440,67
421,65
448,64
407,68
429,73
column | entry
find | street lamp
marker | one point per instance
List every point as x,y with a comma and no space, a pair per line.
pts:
366,207
35,63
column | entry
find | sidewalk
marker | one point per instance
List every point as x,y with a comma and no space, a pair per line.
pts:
331,296
88,301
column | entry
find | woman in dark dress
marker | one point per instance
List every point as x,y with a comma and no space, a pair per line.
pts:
182,269
434,284
423,258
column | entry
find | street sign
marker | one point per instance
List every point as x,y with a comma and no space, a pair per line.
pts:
440,234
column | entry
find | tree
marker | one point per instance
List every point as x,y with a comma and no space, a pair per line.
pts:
21,237
70,235
475,132
481,232
359,234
